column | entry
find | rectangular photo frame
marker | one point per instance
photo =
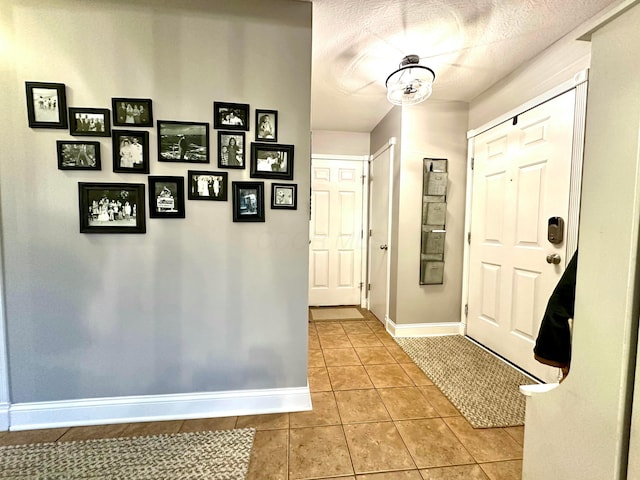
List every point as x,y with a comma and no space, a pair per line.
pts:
248,201
231,116
132,112
46,105
130,151
266,125
284,196
183,141
231,150
90,122
269,160
111,207
207,185
78,155
166,197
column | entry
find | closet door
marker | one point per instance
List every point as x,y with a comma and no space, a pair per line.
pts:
521,180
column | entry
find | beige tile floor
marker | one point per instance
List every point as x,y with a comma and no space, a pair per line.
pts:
375,416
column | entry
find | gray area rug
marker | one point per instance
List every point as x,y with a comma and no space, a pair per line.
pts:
482,387
220,455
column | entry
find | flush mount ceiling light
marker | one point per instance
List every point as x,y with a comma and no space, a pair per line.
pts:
411,83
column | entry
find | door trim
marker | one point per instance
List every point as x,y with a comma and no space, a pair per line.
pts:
5,399
390,145
365,219
577,155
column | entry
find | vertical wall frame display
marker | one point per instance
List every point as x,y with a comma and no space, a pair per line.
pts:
433,225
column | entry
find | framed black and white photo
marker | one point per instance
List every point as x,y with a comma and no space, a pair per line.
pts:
271,161
111,207
77,155
46,105
284,195
266,125
207,185
132,112
166,197
231,150
248,201
231,116
183,142
130,151
90,122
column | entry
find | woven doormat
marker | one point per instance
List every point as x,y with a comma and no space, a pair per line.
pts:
349,313
482,387
220,455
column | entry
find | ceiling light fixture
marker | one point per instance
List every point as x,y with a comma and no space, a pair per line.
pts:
411,83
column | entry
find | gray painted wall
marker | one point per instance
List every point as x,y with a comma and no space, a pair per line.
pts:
199,304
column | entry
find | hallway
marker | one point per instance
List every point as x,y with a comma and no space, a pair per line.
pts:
375,416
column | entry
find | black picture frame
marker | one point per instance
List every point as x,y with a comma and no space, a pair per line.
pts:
132,112
266,125
78,155
90,122
231,156
170,143
166,197
231,116
213,188
269,160
130,151
284,196
97,204
248,201
46,105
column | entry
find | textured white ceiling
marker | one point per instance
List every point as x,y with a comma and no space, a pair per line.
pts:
470,44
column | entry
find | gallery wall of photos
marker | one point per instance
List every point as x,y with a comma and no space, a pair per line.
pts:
107,207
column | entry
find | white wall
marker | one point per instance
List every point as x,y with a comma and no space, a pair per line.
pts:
326,142
580,430
431,130
200,304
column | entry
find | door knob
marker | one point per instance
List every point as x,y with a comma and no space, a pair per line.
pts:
384,246
555,259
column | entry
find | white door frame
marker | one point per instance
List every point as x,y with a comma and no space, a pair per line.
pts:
579,82
390,145
365,219
4,359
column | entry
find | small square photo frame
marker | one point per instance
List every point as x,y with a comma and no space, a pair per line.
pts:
111,207
206,185
132,112
284,196
231,150
90,122
248,201
46,105
166,197
78,155
266,125
269,160
130,151
231,116
183,142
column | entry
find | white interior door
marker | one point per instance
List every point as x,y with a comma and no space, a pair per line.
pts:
521,178
335,255
380,170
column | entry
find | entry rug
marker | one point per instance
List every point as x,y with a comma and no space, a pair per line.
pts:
220,455
348,313
481,386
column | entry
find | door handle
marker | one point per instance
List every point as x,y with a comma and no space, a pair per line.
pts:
384,246
554,259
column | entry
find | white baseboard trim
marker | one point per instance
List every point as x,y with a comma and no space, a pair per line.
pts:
27,416
4,417
424,329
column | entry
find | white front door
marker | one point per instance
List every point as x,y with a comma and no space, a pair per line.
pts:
336,238
521,179
379,244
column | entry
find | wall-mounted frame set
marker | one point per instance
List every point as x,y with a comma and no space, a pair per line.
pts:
434,216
